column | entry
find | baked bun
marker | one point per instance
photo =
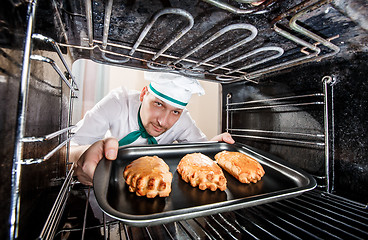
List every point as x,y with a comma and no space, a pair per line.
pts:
199,170
148,176
244,168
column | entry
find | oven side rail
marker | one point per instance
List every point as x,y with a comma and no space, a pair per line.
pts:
21,139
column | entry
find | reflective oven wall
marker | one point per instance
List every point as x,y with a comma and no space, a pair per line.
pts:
297,60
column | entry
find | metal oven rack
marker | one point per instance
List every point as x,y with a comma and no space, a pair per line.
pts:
312,215
320,140
21,139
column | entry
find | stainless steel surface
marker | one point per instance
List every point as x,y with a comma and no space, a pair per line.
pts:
47,137
228,7
106,33
287,140
85,214
56,212
313,215
279,51
18,159
48,155
88,5
318,38
238,44
344,111
175,11
58,51
249,27
298,28
276,106
279,182
159,61
20,124
327,80
57,69
293,24
277,99
289,137
280,103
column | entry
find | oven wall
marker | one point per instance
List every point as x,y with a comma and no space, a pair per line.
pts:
348,125
9,85
47,111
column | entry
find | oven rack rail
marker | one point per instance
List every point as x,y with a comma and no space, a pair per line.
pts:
20,138
312,215
53,43
317,140
196,68
269,104
46,138
70,82
53,219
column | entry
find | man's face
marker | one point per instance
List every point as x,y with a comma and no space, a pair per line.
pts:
157,116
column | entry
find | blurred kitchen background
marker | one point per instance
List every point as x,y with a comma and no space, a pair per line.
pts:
96,80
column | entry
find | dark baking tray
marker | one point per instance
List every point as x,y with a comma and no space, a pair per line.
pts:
280,181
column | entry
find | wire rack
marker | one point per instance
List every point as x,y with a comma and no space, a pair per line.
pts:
312,215
209,68
319,140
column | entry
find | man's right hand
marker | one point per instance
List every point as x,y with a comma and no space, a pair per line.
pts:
87,157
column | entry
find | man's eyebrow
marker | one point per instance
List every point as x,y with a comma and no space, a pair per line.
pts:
158,100
165,104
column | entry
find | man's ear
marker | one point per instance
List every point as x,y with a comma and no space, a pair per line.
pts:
143,93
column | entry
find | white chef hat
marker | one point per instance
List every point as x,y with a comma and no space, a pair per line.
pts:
173,89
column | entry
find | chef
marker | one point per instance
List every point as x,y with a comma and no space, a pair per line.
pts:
156,115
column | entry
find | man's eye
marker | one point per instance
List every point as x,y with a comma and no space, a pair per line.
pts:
158,104
176,112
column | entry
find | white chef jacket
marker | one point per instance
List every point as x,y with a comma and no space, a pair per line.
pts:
117,113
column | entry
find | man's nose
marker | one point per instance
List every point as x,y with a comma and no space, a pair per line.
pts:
164,119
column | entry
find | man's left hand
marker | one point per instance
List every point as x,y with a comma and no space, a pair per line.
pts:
224,137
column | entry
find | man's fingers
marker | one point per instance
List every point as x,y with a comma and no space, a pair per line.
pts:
224,137
228,138
111,148
83,177
89,160
87,163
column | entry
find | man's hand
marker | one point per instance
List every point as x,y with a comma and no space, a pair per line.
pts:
224,137
87,157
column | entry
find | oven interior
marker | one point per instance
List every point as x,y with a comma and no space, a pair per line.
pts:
293,78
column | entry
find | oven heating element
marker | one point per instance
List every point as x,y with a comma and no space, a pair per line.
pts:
202,67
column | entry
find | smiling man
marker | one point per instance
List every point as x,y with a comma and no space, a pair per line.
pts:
156,115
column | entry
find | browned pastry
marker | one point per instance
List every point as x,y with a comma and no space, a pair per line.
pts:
148,176
199,170
241,166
